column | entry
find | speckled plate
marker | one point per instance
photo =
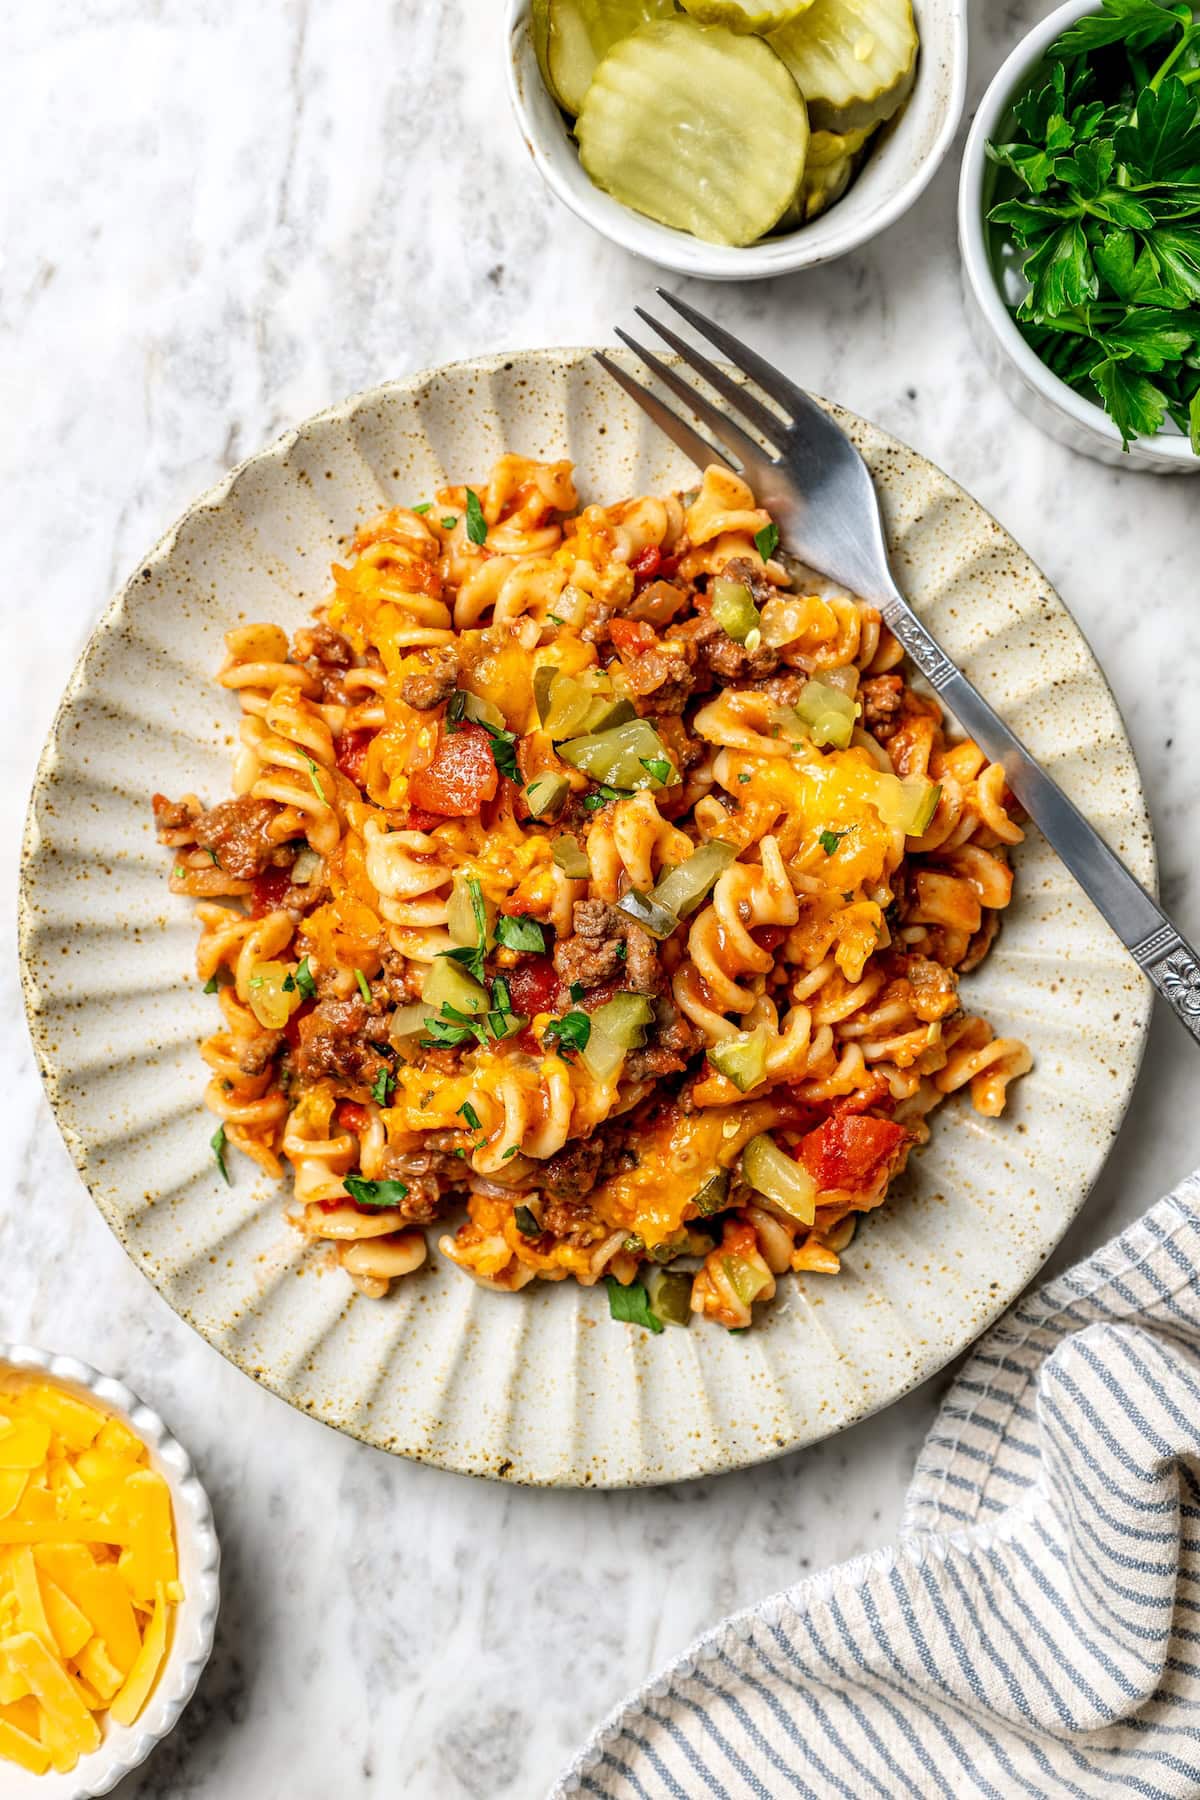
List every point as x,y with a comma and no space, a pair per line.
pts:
541,1387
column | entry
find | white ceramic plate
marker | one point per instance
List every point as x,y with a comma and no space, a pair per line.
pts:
193,1621
541,1387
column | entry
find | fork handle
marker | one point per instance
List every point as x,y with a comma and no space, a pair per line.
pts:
1159,949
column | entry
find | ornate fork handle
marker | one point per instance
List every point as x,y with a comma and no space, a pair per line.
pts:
1154,942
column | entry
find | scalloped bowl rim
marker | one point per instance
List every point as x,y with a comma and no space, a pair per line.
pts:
124,1749
721,1456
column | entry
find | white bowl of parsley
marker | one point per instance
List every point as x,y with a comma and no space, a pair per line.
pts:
1079,224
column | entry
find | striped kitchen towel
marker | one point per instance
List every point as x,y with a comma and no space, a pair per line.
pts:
1035,1630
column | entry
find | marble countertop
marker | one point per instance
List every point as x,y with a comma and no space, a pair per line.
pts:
219,219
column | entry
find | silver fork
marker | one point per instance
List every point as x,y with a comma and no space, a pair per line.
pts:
819,490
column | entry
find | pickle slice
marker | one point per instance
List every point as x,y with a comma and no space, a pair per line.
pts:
571,36
746,15
853,60
697,127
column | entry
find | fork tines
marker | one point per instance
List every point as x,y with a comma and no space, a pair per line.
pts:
744,411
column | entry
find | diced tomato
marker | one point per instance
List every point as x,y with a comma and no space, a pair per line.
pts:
533,986
648,565
461,777
632,637
352,749
645,566
351,1116
852,1151
269,889
767,937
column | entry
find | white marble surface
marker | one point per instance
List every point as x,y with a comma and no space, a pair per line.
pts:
218,217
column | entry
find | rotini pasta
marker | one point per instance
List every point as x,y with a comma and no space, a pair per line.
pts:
588,871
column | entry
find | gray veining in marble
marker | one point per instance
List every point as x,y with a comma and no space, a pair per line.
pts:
219,217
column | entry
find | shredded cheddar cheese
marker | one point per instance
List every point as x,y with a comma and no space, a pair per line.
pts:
88,1574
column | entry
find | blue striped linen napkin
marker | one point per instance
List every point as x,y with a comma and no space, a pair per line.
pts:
1036,1627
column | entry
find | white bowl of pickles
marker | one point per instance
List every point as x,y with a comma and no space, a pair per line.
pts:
737,139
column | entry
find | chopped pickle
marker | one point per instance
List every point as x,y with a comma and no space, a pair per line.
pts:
448,984
907,805
733,608
618,756
461,922
544,678
698,127
713,1197
670,1292
463,705
829,714
617,1026
584,703
645,911
742,1059
748,1279
690,882
271,1003
545,794
771,1171
570,857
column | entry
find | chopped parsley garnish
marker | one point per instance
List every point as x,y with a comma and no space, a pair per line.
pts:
504,750
520,933
364,986
476,523
471,1116
554,619
658,766
423,508
525,1222
318,790
212,984
304,980
179,871
570,1033
381,1091
743,778
452,1027
471,956
631,1305
448,524
511,1151
766,541
374,1193
501,1002
217,1146
601,797
256,981
216,861
577,990
622,950
829,840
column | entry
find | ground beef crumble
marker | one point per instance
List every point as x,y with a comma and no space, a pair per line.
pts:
433,683
607,946
237,832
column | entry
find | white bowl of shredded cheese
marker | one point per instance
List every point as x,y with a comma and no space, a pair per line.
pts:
71,1439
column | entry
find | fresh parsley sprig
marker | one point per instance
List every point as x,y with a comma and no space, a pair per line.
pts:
1102,196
